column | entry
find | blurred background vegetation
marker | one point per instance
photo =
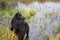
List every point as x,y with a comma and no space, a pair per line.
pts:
6,15
29,1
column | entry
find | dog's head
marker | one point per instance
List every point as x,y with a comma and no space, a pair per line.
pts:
18,16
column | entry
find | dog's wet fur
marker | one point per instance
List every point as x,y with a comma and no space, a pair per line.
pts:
20,26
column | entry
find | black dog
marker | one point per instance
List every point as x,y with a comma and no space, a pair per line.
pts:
20,26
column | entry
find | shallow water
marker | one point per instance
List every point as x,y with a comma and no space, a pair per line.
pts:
39,20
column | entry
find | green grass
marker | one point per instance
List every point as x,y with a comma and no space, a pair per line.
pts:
5,33
58,27
8,11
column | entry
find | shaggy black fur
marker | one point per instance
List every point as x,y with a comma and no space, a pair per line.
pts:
20,26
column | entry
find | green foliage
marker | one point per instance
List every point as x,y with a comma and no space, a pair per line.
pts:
0,33
27,14
46,15
8,11
23,12
12,12
58,28
32,12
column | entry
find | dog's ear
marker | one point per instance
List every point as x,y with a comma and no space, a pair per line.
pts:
17,13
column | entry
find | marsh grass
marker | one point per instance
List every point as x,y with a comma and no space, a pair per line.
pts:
7,34
7,14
